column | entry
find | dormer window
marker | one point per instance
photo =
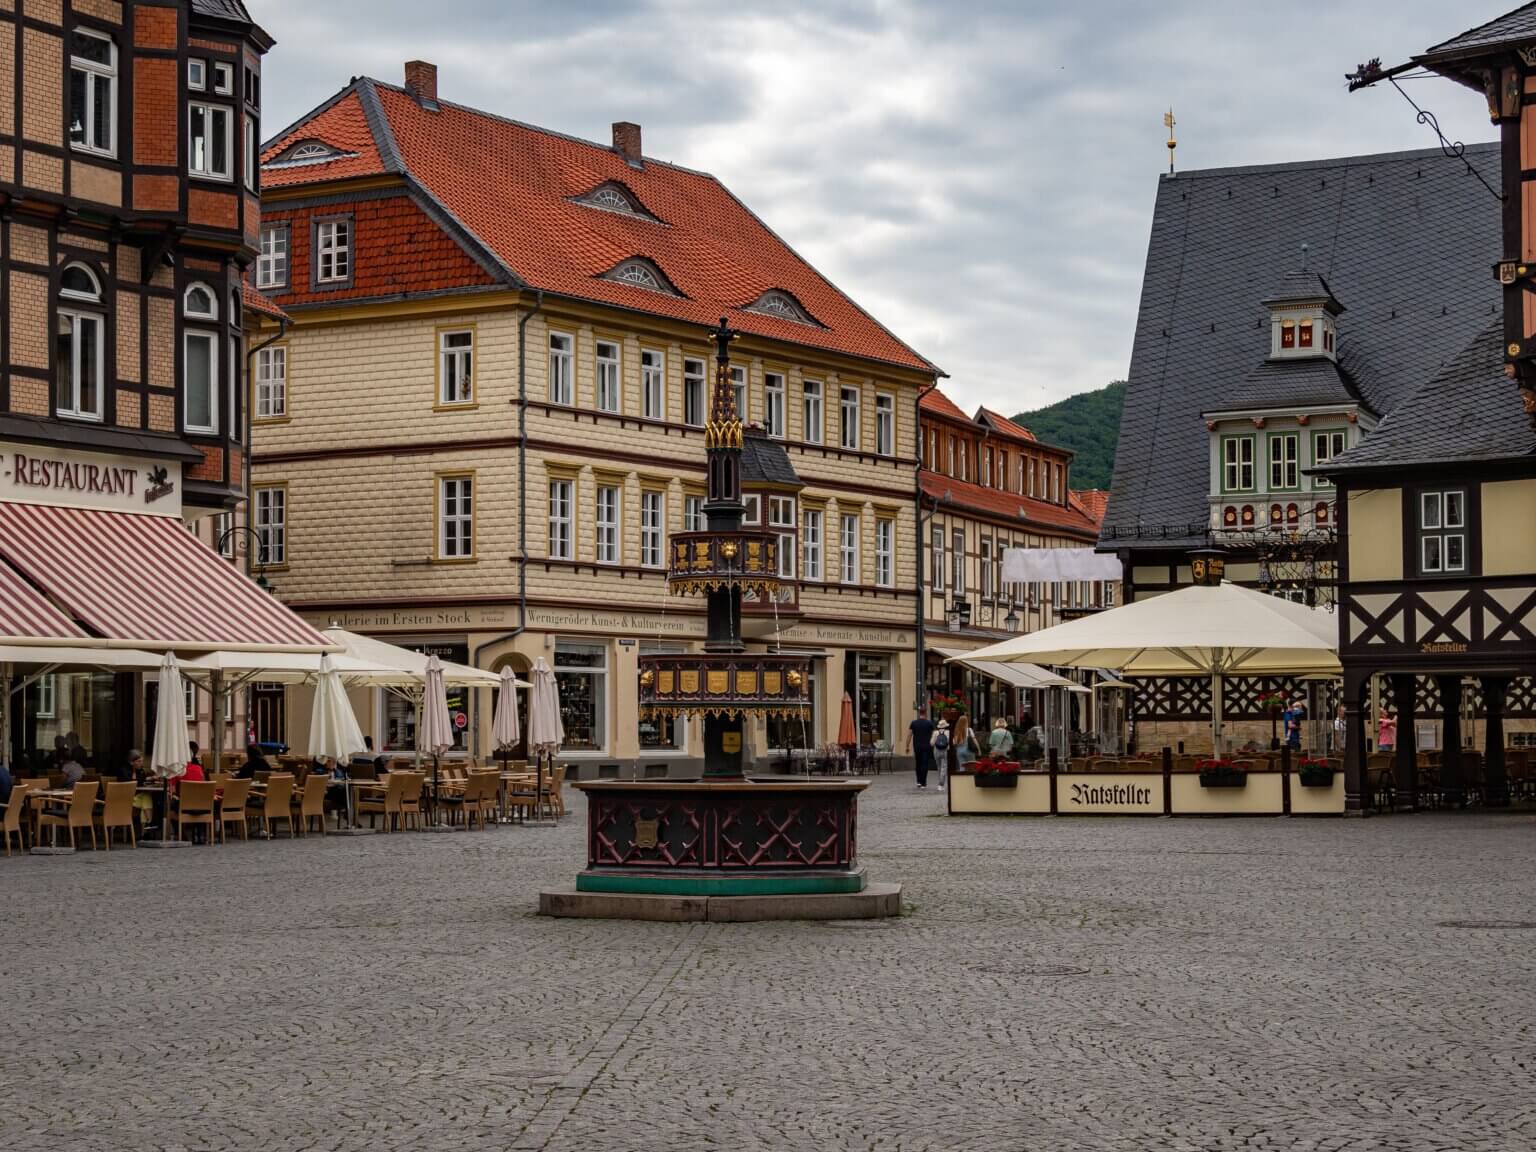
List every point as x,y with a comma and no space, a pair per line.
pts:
1304,334
782,305
307,152
614,197
1288,334
1327,339
642,274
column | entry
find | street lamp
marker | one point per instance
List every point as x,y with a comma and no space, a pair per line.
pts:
1011,621
954,618
261,565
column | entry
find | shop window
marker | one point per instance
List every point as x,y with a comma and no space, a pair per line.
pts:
581,671
663,733
398,714
797,730
875,698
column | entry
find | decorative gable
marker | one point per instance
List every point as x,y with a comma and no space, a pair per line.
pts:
642,273
613,196
779,303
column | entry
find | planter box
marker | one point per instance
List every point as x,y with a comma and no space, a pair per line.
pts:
1212,779
996,779
1315,777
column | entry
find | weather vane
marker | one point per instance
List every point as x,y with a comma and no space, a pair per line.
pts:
1168,123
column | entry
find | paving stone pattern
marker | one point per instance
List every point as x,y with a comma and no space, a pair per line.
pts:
1058,984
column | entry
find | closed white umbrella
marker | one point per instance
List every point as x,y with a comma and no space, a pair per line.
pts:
434,727
333,729
505,728
546,731
168,753
1219,631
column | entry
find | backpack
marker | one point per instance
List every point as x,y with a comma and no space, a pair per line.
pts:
941,742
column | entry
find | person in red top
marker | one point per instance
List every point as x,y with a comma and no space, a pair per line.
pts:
194,768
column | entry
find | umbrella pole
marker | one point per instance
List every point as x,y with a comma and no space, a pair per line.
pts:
1216,710
5,713
435,786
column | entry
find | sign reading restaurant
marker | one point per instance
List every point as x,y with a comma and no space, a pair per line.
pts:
41,474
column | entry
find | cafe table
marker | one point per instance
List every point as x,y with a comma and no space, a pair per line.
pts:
38,797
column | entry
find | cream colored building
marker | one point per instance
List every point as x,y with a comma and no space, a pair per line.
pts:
486,459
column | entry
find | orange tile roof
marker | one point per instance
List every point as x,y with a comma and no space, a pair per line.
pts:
1022,510
254,301
343,125
510,186
935,403
1006,427
1093,501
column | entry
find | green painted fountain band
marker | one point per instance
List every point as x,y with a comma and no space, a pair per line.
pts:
721,883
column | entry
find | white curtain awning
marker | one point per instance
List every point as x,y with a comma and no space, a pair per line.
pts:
1014,675
1046,565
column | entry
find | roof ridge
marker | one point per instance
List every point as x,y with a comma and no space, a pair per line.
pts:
380,127
1481,146
1476,28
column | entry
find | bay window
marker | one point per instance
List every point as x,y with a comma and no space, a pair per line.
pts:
1284,461
210,140
1325,446
1237,464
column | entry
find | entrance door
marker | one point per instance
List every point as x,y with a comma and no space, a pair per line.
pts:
269,708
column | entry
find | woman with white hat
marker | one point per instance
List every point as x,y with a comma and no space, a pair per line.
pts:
941,751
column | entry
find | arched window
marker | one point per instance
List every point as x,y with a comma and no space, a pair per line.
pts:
642,274
200,360
614,197
778,303
312,150
79,346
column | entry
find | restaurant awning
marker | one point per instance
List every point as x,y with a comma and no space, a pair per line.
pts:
144,581
1014,675
26,615
66,655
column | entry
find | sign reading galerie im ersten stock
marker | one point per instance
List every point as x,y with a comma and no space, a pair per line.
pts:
41,474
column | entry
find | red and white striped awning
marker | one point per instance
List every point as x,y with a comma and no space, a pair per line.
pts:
26,615
145,580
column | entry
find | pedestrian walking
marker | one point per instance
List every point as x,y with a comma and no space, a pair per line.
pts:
920,746
941,743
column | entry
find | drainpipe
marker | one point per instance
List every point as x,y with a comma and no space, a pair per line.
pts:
522,494
920,688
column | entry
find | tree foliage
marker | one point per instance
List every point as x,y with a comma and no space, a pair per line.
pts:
1088,424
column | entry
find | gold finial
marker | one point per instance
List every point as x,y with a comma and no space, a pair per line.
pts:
1168,123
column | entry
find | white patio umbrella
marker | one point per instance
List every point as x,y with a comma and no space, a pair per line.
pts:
505,730
1220,631
434,727
546,731
333,727
168,753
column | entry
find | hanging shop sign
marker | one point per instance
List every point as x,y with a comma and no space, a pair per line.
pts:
42,474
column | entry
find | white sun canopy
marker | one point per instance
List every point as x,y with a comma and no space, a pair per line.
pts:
1047,565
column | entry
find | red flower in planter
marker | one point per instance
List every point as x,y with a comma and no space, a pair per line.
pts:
988,767
1215,765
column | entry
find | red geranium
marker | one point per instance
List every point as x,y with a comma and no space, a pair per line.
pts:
989,766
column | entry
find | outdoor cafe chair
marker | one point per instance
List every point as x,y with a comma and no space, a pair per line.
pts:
384,801
456,801
116,811
557,789
194,805
79,811
275,805
410,800
489,803
311,803
232,809
11,823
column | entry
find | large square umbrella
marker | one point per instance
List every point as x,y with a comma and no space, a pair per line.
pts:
546,731
1216,631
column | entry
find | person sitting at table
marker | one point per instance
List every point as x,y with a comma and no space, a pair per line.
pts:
130,768
367,757
194,771
254,762
73,767
6,783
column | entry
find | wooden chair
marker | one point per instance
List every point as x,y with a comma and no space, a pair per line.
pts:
410,799
232,810
458,800
11,823
311,802
1139,766
557,790
194,802
116,811
362,770
277,804
489,803
384,803
79,811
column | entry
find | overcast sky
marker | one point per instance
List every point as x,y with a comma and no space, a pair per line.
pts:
978,174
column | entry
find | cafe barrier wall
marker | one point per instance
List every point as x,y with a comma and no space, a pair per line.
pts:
1047,793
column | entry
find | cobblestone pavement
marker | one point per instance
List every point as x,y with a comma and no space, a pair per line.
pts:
1058,984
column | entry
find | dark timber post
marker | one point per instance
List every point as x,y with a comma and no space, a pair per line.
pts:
1495,774
1451,783
1356,787
1405,765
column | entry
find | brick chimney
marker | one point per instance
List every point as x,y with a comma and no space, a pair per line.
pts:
421,82
626,142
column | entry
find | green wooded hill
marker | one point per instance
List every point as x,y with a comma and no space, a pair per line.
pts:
1088,424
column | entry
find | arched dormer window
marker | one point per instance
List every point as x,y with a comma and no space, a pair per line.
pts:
615,197
200,360
79,345
642,273
307,152
780,304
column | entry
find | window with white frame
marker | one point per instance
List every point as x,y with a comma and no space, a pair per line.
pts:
695,392
773,404
957,555
333,251
271,525
606,537
936,558
223,79
456,367
560,519
79,346
456,518
653,384
562,369
1443,531
1237,464
197,75
754,509
950,461
1284,461
581,674
93,93
812,403
849,550
811,543
653,519
885,552
200,361
885,424
1111,591
251,153
984,558
272,261
848,409
1325,446
693,513
210,140
48,695
224,535
739,387
781,515
272,382
607,375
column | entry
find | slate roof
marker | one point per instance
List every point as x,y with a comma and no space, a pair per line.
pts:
1291,384
512,190
222,9
1468,411
764,460
1301,286
1510,28
1220,238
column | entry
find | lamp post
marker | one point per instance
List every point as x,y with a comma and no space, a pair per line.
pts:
1011,621
260,566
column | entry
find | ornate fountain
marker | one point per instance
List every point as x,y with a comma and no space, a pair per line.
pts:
666,848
